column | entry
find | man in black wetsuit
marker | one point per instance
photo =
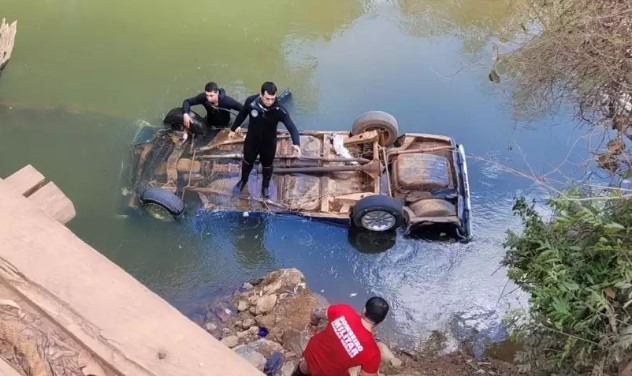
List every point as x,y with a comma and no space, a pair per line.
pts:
265,113
216,103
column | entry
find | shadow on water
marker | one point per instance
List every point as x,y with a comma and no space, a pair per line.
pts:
371,242
248,234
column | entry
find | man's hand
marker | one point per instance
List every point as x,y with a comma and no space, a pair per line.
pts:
186,120
297,149
317,315
236,133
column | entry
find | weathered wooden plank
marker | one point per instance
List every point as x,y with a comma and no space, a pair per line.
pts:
54,202
362,138
324,180
7,370
26,181
126,325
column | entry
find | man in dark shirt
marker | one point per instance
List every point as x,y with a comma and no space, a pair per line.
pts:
265,113
216,103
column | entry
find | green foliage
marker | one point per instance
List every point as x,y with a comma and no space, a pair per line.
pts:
577,268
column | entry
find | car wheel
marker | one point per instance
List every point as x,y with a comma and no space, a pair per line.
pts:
174,120
380,121
162,204
377,213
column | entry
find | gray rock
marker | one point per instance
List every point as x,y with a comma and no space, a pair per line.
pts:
223,315
253,310
230,341
247,323
288,368
246,286
225,331
253,329
266,347
265,320
273,287
396,362
283,280
252,356
266,304
209,327
243,334
294,341
242,305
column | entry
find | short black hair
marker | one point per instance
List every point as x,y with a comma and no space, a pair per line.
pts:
211,86
376,309
268,87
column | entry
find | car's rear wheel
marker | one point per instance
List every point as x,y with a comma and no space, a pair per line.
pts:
380,121
377,213
162,204
175,119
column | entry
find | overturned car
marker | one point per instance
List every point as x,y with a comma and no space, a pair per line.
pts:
369,177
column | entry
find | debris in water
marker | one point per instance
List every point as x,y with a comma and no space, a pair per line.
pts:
246,214
493,76
353,294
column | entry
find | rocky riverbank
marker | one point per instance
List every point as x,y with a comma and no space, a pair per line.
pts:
271,315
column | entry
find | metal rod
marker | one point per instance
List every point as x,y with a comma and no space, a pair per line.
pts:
418,150
282,135
190,173
388,175
235,155
230,194
369,167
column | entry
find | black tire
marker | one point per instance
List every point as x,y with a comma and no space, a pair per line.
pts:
167,200
174,119
370,241
384,211
380,121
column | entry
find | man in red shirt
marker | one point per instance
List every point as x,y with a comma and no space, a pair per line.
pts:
347,341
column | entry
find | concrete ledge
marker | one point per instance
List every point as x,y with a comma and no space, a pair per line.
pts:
7,370
126,327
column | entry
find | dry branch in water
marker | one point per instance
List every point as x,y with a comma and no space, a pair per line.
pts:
580,54
7,39
583,53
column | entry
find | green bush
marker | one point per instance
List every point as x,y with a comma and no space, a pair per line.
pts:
577,268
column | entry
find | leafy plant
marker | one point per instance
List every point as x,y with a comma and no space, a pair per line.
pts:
577,268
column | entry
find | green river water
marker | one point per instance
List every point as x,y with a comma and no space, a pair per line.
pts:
85,74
